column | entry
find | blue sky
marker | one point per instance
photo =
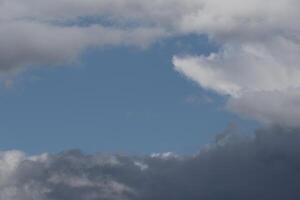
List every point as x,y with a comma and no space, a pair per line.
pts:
123,99
149,77
163,99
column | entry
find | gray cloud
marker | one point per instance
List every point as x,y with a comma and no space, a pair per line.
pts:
25,44
265,166
47,33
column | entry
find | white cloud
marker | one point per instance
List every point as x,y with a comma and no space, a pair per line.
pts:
258,61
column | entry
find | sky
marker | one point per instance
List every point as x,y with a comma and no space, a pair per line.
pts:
114,100
149,100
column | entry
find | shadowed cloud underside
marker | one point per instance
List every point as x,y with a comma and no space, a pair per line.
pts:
234,167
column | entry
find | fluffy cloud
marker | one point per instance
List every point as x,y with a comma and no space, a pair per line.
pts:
234,167
257,65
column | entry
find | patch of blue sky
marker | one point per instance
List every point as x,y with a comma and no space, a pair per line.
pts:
116,100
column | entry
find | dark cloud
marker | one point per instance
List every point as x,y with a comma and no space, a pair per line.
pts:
265,166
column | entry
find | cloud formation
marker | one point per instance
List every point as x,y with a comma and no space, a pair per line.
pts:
234,167
257,59
257,66
47,32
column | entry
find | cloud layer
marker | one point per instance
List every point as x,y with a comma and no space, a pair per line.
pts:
53,32
234,167
257,61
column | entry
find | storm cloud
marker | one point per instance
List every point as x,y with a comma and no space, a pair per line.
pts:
265,166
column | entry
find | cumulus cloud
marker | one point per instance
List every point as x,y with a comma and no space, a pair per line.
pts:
257,65
265,166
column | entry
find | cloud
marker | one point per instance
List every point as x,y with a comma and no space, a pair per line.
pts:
52,32
257,65
25,44
264,166
259,42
